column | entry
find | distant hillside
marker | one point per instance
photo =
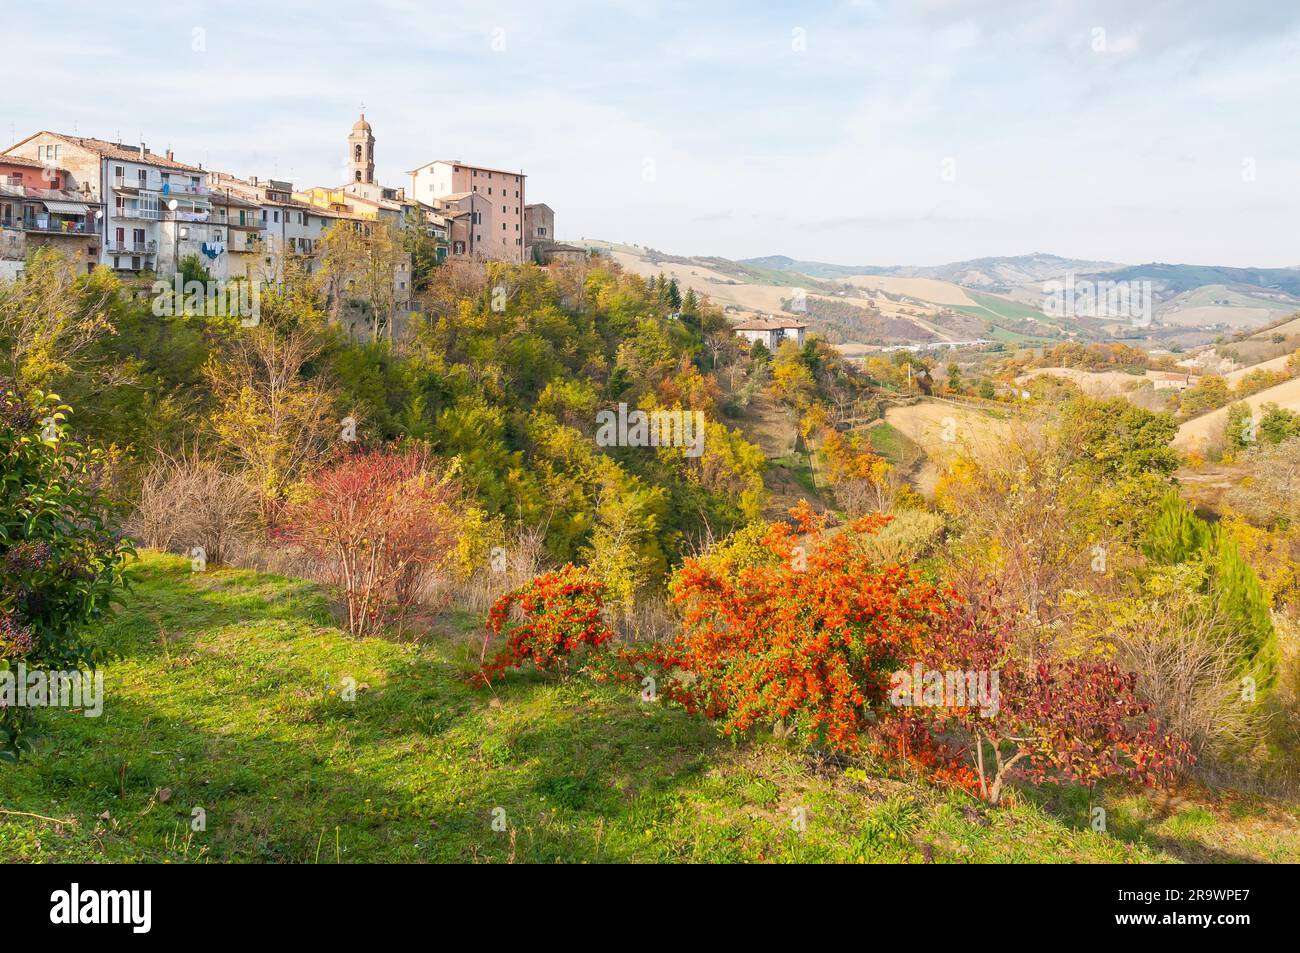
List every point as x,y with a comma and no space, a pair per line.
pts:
991,274
1180,278
999,297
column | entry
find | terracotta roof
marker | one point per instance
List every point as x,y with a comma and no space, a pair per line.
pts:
19,160
764,324
116,150
467,165
230,199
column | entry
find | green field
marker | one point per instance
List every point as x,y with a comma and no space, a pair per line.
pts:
894,445
227,698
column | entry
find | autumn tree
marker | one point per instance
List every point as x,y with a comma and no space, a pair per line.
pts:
50,317
274,413
359,262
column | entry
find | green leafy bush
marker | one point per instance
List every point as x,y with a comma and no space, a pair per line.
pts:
61,556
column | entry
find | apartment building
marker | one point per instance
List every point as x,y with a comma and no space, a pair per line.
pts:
497,206
285,224
155,209
38,208
237,226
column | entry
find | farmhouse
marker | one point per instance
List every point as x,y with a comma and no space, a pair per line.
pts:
1164,381
771,331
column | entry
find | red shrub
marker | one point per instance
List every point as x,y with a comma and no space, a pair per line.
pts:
561,613
809,636
817,633
380,521
1050,719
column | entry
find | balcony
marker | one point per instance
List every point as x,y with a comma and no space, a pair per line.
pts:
58,226
146,214
14,189
126,183
132,248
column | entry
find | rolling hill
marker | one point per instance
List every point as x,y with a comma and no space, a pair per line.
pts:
994,298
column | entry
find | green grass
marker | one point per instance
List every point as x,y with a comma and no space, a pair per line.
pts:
894,445
798,468
227,698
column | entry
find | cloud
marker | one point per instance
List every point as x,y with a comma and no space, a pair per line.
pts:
831,149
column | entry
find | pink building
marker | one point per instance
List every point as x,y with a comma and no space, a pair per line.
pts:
495,199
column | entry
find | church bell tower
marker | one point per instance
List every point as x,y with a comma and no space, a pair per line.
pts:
361,152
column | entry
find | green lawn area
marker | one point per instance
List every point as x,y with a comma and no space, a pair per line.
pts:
894,445
228,698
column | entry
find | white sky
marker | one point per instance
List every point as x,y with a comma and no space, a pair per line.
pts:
859,133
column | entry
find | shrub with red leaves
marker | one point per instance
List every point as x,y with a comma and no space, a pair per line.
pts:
1052,719
560,614
380,521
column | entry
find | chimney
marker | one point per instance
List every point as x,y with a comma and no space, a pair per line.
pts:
143,150
170,156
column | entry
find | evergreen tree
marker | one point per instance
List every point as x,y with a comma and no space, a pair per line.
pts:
1177,534
1239,596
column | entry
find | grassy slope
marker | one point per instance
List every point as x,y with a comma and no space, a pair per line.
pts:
239,713
895,446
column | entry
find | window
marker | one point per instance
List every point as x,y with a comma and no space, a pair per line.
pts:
356,153
142,176
218,235
276,215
